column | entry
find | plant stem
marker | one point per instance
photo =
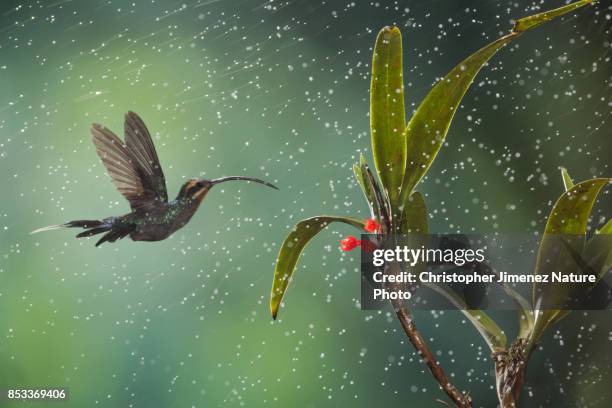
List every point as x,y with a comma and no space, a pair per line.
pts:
518,385
504,394
462,400
510,373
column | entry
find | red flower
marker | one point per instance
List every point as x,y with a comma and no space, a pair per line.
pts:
349,243
371,225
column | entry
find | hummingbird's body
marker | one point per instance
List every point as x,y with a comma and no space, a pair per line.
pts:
162,222
137,174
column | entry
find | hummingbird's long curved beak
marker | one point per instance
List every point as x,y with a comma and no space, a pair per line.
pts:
232,178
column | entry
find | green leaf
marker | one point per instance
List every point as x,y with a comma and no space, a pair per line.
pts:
387,114
595,259
525,314
597,253
486,326
414,226
571,212
361,174
569,217
291,249
606,229
535,20
414,219
567,180
382,202
427,128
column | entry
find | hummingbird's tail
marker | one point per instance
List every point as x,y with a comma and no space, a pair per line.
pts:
231,178
93,227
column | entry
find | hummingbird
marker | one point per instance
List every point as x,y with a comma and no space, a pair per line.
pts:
135,170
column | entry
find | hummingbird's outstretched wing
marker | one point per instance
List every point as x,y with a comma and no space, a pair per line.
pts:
140,145
138,181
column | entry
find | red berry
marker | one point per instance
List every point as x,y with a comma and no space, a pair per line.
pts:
349,243
371,225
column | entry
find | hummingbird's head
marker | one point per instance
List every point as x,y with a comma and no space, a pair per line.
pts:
195,189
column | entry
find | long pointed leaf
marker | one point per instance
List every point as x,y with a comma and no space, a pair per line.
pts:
414,220
598,252
414,226
486,326
361,174
291,249
525,313
383,204
607,228
567,180
427,128
527,23
387,114
569,216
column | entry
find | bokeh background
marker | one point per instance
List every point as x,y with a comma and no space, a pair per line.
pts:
277,90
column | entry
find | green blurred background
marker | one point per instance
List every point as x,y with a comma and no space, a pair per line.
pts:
276,90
